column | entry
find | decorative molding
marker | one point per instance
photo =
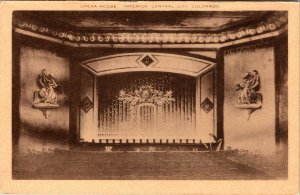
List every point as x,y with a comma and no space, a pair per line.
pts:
163,62
207,105
273,23
86,104
140,45
147,60
249,47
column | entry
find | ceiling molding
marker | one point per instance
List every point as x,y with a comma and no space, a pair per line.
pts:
258,37
143,45
271,24
36,35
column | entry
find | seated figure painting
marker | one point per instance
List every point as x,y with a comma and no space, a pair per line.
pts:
248,89
47,94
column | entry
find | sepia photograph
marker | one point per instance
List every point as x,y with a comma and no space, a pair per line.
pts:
143,95
164,95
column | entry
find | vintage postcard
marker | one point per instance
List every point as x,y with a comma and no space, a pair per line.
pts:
149,97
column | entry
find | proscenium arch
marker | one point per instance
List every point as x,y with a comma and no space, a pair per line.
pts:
160,62
202,69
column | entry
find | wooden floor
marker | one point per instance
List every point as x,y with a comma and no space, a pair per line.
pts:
60,164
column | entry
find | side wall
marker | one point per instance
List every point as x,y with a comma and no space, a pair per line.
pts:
257,131
37,132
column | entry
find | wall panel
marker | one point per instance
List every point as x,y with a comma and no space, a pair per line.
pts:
258,131
207,98
87,104
36,131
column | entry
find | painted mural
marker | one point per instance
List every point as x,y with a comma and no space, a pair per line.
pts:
46,97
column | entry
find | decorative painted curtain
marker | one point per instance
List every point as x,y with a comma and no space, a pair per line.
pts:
146,105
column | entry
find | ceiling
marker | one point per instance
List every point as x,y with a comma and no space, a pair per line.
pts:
165,21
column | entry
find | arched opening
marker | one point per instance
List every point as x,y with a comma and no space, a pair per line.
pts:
147,97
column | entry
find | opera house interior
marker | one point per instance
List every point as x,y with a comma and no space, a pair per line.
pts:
150,81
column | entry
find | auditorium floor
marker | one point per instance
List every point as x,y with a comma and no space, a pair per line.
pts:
63,164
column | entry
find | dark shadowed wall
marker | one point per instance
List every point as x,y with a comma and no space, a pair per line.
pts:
258,131
281,57
36,131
